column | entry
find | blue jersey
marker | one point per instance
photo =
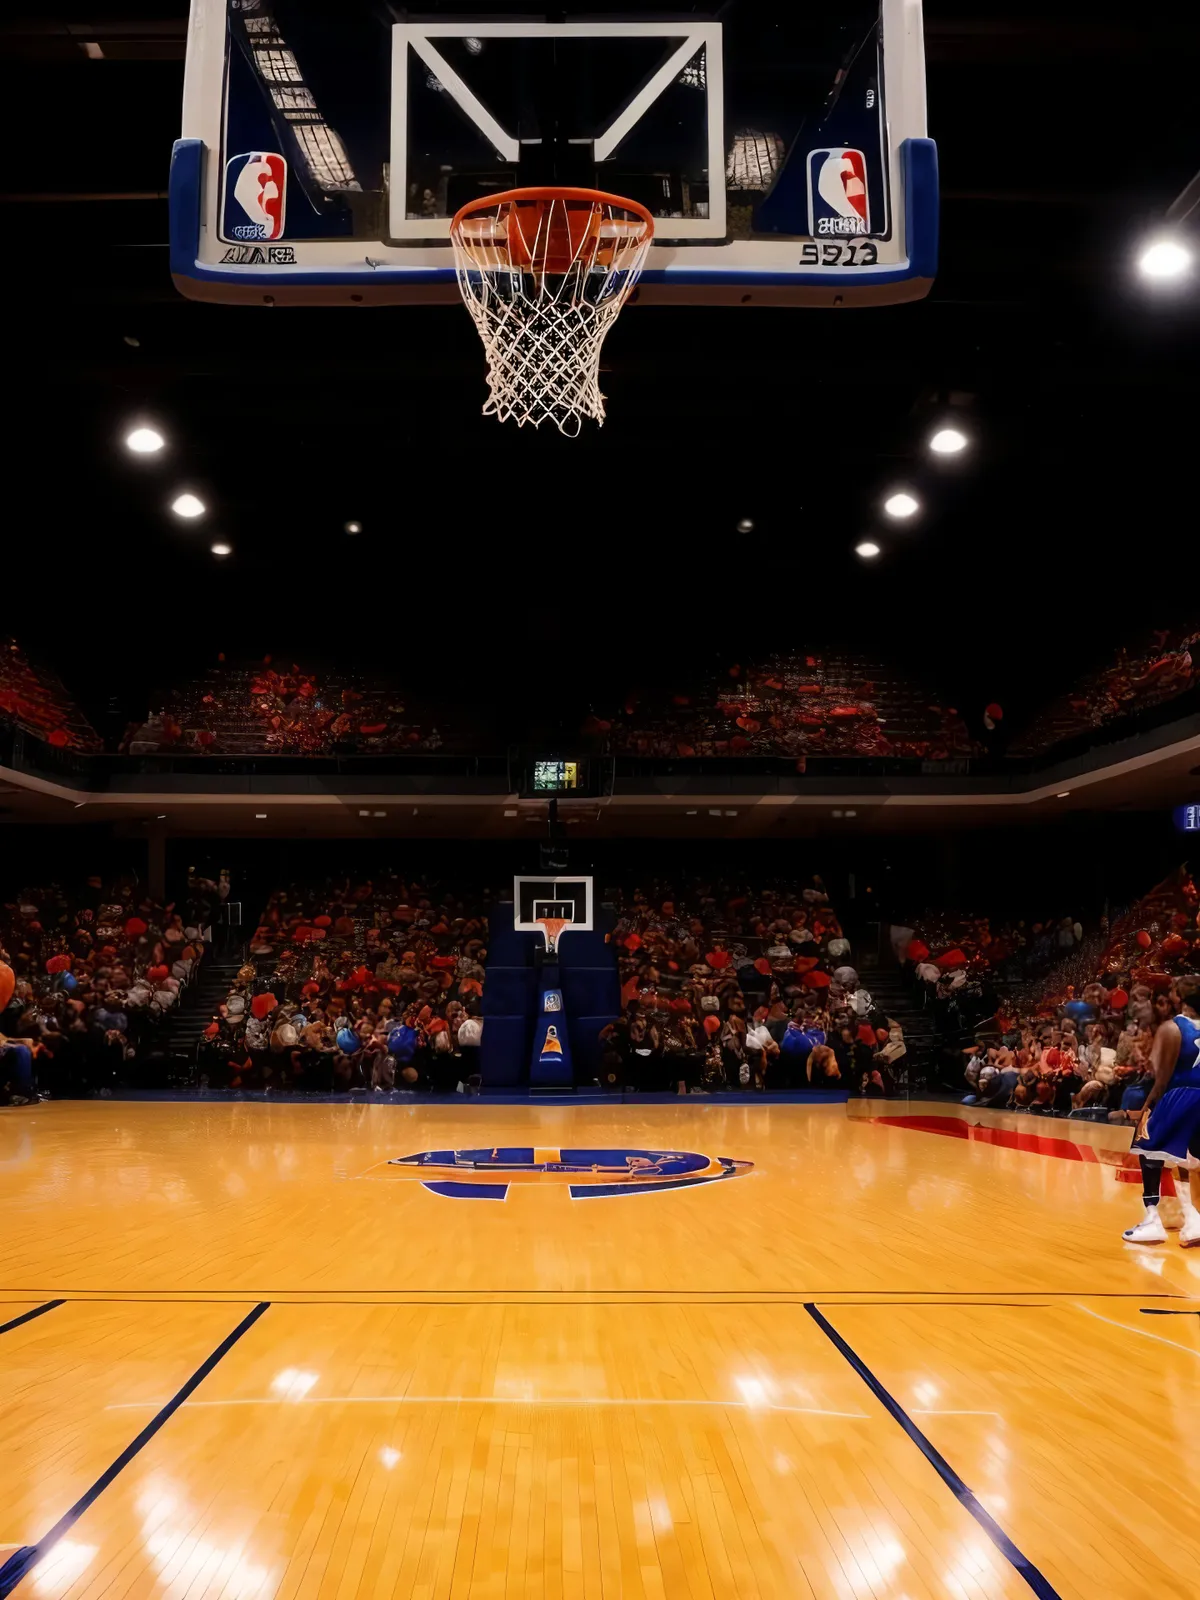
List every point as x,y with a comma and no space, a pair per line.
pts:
1187,1067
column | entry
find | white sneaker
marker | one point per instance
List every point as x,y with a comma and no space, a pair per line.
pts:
1151,1231
1189,1234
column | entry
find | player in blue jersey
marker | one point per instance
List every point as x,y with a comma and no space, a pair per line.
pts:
1169,1133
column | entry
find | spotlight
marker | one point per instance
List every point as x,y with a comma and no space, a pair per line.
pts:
144,441
1165,258
948,442
222,549
745,525
187,505
354,527
901,505
868,550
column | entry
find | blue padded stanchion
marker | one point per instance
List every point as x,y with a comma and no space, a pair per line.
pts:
550,1058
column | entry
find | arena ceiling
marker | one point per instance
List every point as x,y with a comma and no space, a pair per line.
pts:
537,570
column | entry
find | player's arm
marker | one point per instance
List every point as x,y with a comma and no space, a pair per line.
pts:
1164,1053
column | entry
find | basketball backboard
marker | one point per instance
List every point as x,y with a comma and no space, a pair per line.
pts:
781,149
552,906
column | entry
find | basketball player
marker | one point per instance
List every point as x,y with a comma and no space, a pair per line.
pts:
1170,1128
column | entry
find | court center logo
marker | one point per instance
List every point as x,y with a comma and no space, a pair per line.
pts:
587,1174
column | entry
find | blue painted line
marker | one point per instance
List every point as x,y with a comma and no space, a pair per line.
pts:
21,1561
1040,1585
28,1316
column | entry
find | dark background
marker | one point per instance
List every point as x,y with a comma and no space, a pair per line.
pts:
537,572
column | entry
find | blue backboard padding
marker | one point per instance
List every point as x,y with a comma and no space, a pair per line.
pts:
919,171
508,991
588,991
503,1055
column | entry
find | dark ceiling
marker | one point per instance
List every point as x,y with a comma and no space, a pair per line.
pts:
548,570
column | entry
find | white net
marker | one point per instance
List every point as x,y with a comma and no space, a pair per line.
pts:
544,274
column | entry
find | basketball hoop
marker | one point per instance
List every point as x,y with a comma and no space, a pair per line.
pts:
552,927
544,274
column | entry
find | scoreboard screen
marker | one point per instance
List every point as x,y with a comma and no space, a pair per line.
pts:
548,774
556,777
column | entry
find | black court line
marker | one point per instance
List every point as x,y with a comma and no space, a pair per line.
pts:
28,1316
19,1563
1147,1311
1040,1585
916,1297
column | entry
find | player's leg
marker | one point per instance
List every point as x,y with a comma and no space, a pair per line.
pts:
1150,1230
1189,1198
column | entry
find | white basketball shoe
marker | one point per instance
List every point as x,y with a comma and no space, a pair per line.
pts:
1148,1231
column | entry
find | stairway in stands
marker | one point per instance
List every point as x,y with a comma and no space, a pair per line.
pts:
890,994
187,1022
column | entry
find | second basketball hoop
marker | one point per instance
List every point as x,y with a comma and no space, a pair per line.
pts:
544,274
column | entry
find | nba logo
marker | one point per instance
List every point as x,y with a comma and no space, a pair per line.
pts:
255,196
838,203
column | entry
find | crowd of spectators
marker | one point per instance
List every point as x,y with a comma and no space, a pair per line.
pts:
787,704
725,986
87,978
1074,1038
269,709
32,698
794,706
371,986
1147,673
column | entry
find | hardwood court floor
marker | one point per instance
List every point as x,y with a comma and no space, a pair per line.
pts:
881,1363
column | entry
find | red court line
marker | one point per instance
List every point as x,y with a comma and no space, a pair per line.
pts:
1038,1144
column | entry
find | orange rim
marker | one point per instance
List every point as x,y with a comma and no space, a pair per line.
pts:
593,197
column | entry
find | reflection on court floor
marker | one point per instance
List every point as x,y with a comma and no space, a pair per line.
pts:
272,1373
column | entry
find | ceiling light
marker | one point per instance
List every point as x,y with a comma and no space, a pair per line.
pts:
144,441
222,549
690,813
868,550
354,527
364,813
713,813
379,813
948,442
260,816
510,813
187,505
1165,258
161,817
901,505
745,525
731,813
854,814
1064,795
